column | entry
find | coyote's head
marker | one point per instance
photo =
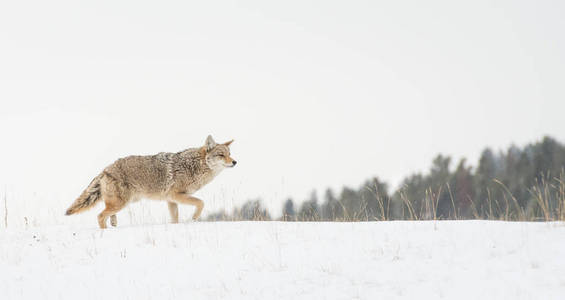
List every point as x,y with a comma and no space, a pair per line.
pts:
218,155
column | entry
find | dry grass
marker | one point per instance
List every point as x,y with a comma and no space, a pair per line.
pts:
546,203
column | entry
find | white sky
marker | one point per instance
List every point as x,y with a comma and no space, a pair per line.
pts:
315,94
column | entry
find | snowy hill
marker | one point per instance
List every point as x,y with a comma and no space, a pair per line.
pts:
273,260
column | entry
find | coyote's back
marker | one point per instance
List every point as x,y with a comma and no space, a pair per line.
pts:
172,177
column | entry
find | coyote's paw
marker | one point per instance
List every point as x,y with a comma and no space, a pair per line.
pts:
113,220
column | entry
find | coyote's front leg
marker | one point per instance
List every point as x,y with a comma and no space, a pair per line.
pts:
185,198
174,211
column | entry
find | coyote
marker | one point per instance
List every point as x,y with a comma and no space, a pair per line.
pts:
172,177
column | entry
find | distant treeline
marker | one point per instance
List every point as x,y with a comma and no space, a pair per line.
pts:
522,184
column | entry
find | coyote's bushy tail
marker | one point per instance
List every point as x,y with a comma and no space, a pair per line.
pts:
87,198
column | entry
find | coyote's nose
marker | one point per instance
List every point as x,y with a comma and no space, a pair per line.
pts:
234,162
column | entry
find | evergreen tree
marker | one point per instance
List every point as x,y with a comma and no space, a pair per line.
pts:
438,203
375,201
331,209
485,173
461,191
351,203
253,211
309,210
288,213
517,184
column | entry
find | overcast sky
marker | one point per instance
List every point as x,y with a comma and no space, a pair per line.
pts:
315,94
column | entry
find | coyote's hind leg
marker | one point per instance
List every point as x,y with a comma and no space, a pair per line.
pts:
113,205
113,220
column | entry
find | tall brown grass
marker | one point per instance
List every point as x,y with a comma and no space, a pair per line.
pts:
546,203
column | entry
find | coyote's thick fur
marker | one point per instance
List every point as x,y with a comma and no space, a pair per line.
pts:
172,177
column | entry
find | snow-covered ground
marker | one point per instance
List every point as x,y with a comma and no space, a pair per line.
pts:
274,260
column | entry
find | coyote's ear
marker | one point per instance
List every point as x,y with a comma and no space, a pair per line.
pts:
228,143
210,143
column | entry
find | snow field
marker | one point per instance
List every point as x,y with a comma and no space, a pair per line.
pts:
276,260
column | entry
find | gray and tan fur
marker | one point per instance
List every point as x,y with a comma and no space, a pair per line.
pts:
172,177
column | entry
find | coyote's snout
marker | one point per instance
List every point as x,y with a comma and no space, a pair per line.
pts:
172,177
